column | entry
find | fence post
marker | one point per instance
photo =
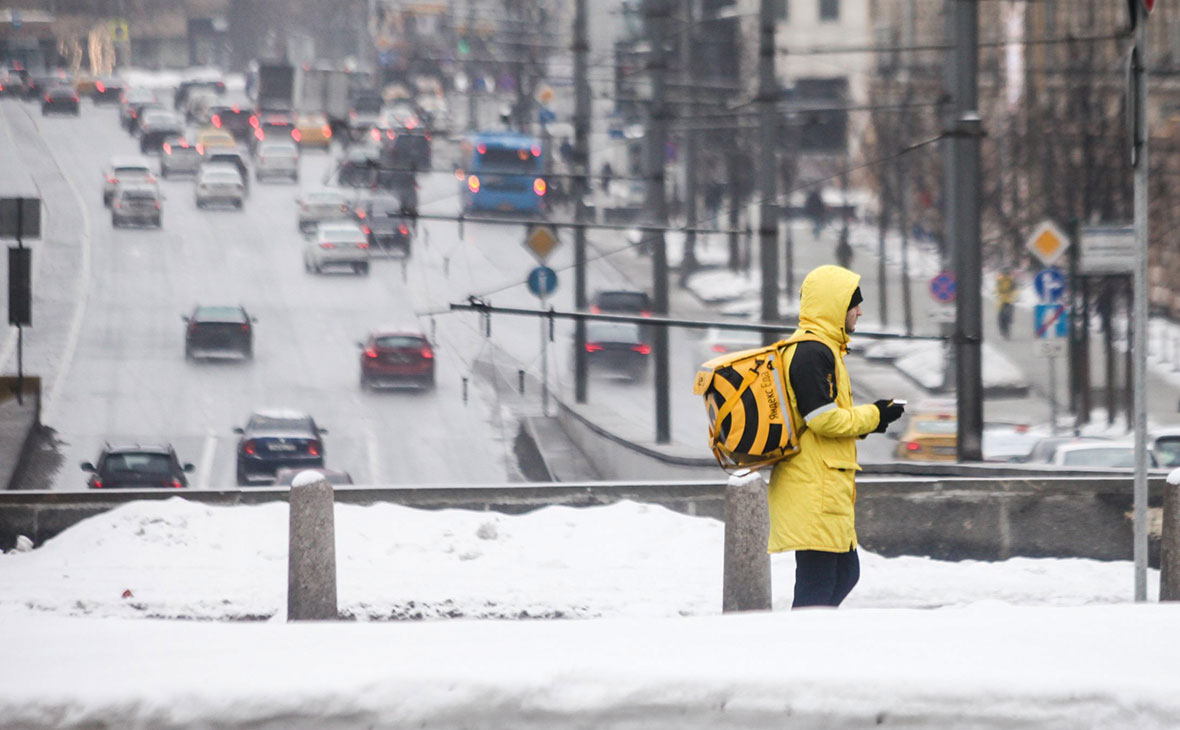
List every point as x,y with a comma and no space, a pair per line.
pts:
311,557
1170,540
746,579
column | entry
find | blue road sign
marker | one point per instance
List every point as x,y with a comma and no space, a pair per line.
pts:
942,287
542,281
1050,285
1050,321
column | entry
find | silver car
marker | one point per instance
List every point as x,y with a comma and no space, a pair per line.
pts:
219,184
178,156
124,169
136,203
277,159
322,206
337,244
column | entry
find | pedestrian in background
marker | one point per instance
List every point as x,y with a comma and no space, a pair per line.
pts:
812,495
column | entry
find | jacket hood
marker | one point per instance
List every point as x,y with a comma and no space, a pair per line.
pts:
824,299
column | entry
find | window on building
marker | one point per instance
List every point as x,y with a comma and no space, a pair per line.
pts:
829,10
782,10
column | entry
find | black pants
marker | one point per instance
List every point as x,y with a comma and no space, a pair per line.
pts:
824,579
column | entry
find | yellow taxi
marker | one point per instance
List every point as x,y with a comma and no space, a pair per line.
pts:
312,130
214,138
85,85
931,434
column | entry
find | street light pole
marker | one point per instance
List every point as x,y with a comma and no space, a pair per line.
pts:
1139,87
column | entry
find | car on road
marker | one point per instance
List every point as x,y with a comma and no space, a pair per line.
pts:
313,130
397,356
60,100
178,156
210,139
136,466
133,102
137,202
107,91
123,169
931,432
215,331
273,439
616,348
226,157
406,150
1165,444
273,127
219,185
157,125
180,97
234,118
384,220
1045,448
320,206
1106,455
716,342
358,168
624,301
277,159
285,476
337,245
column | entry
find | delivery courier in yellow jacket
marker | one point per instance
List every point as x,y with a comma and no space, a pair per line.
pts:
812,495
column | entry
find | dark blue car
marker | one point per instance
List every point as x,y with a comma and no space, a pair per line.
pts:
275,439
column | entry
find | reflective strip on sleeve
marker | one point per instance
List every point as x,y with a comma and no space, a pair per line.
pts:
820,411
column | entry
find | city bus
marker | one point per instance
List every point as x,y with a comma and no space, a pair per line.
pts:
502,171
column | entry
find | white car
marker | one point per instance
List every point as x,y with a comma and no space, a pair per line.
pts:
320,206
125,169
337,245
277,159
219,185
1109,455
717,342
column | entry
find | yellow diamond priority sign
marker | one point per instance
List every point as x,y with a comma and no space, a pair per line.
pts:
541,240
1047,243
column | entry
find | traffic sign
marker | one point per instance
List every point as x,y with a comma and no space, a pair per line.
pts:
1050,348
1106,249
1047,243
1050,285
541,240
542,281
942,287
1050,321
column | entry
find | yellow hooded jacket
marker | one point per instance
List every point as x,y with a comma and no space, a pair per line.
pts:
812,494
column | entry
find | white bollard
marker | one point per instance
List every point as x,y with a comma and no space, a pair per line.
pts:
746,580
311,557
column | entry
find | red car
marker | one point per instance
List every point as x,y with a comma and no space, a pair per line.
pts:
394,357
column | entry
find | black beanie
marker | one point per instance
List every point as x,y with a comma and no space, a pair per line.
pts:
856,299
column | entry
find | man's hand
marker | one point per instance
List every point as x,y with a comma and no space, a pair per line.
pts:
890,412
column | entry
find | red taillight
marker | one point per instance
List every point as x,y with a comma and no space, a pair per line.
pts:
112,179
593,347
595,309
912,445
642,349
259,134
245,327
326,131
375,134
536,150
366,230
402,229
539,186
389,133
720,348
481,148
200,148
427,353
459,174
74,98
248,447
313,448
96,483
254,121
359,214
216,121
371,353
363,244
100,86
326,245
644,313
473,183
296,135
167,148
176,484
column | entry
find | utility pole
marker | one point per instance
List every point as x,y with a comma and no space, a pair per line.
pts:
766,168
472,121
581,189
656,16
963,222
1139,86
688,261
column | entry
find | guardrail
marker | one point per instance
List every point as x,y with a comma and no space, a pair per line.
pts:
950,518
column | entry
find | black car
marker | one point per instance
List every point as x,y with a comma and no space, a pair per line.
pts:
237,120
616,348
107,91
180,97
218,330
358,169
408,151
156,129
134,113
275,439
385,220
624,301
137,466
61,100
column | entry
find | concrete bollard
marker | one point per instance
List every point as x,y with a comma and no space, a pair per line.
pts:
746,579
311,557
1170,540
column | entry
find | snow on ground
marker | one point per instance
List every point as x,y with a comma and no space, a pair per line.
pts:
920,643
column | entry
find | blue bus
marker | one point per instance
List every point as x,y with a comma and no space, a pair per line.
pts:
502,171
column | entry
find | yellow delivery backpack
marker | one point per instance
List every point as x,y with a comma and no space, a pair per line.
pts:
751,418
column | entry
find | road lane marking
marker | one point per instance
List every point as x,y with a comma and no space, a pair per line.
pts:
205,468
83,298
